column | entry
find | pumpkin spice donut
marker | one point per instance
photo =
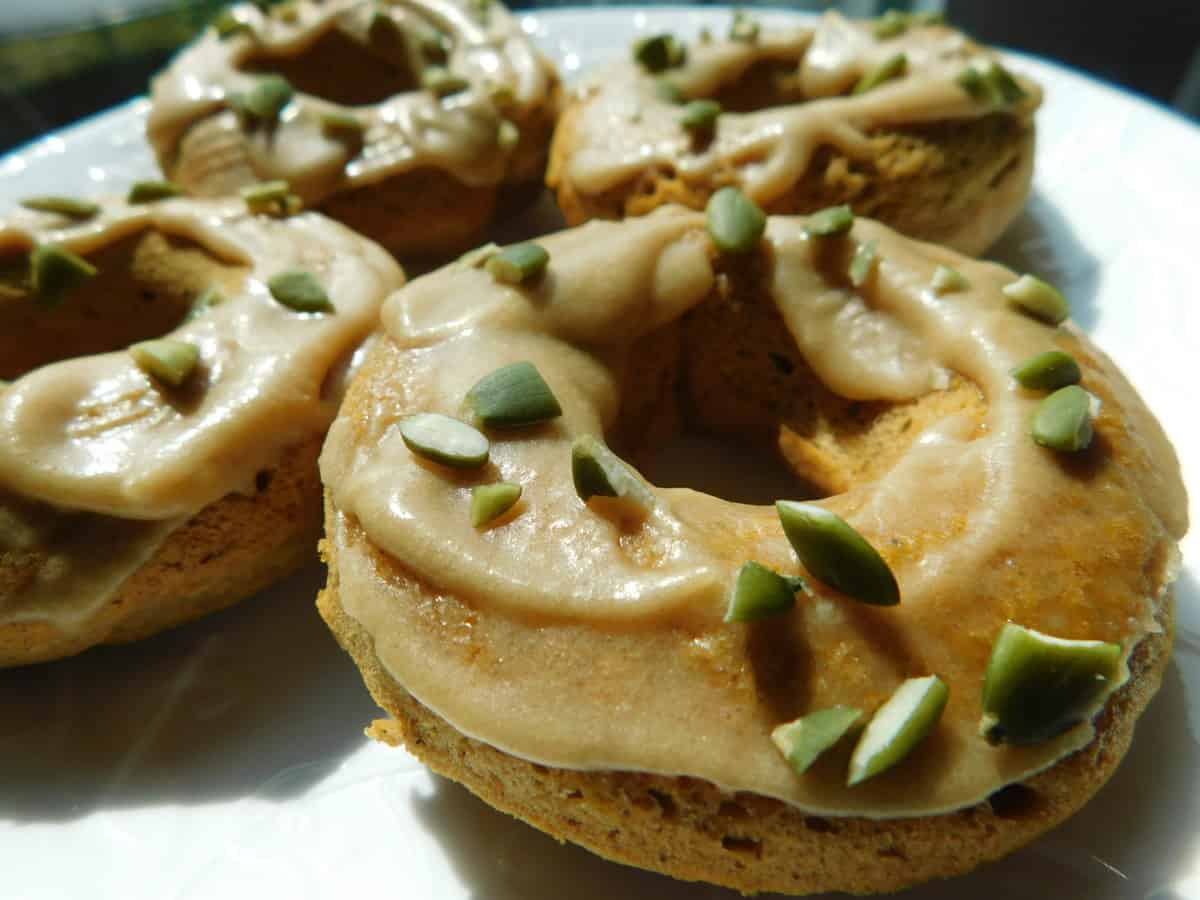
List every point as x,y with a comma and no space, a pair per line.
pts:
653,673
903,118
144,487
408,121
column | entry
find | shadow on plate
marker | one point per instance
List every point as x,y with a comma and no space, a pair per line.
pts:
1042,242
257,700
1137,837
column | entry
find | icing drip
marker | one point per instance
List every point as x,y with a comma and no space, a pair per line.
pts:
568,640
96,440
625,128
458,133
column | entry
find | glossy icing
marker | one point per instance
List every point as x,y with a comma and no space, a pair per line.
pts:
564,639
625,127
460,134
93,437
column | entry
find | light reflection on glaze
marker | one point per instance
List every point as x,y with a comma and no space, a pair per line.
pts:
625,128
202,144
573,616
95,435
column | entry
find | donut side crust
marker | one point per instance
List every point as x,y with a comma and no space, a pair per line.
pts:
958,183
230,550
693,831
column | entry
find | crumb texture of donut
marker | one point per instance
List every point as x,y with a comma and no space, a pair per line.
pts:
164,411
579,663
916,153
694,831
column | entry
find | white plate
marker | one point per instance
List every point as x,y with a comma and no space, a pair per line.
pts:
227,759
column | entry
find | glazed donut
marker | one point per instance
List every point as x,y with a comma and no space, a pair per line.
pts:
912,124
572,662
141,489
403,120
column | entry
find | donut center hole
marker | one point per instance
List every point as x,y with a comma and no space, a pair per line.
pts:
715,464
767,83
339,69
144,288
724,402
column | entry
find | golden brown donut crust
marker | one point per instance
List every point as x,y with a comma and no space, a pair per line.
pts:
225,553
422,212
933,182
744,376
228,550
691,830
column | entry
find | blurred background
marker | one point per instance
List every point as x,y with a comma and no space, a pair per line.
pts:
61,60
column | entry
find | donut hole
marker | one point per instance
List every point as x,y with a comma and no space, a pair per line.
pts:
341,70
729,381
767,83
144,288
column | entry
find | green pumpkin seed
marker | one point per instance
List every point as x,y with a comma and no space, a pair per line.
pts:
55,272
743,28
660,52
1038,686
759,593
490,501
836,554
803,741
863,263
891,68
903,721
513,396
445,440
990,83
1048,371
668,91
1063,421
206,301
947,280
1037,298
263,103
441,82
342,126
700,115
299,290
599,473
735,223
286,12
892,23
70,207
518,263
151,191
271,198
830,221
227,24
166,360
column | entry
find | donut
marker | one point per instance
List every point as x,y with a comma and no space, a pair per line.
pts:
905,119
171,369
590,665
405,121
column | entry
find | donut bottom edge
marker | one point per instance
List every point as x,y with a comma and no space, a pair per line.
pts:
692,830
227,552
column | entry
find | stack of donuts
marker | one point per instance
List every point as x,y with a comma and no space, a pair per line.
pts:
883,678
